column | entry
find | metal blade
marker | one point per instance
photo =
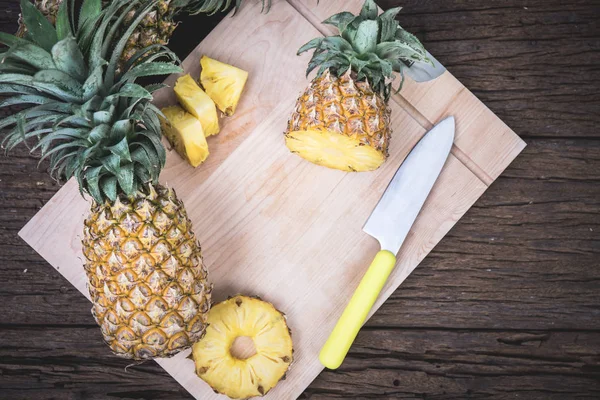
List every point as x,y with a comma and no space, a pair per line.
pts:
421,72
399,206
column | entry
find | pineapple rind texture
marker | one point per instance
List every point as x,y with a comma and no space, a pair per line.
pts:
256,375
340,123
147,281
197,103
224,83
185,134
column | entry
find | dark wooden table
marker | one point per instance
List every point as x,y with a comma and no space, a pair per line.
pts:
506,306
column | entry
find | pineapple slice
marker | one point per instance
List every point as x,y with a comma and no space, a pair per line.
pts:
224,83
243,374
185,134
197,103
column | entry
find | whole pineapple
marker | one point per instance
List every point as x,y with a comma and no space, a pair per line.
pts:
146,278
158,25
342,120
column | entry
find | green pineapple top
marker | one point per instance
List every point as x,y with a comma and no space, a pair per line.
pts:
211,7
372,46
88,117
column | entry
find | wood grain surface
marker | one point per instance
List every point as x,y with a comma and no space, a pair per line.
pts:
514,310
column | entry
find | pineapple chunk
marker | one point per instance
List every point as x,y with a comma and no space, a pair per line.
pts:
185,134
197,103
249,373
224,83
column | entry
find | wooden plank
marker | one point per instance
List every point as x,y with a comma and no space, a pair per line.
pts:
482,138
270,223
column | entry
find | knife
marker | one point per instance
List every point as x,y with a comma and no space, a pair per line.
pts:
423,72
389,223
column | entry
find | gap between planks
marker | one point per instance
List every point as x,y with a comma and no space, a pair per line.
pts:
399,99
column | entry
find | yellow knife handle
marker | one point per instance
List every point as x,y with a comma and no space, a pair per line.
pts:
335,349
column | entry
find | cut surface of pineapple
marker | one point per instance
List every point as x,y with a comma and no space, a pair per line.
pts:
224,83
185,134
198,103
256,372
333,150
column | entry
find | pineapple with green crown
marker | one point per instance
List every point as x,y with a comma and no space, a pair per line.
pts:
147,281
157,26
342,120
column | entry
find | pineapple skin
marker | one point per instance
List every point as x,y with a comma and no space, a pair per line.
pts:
198,103
185,134
147,281
157,27
342,106
224,83
253,376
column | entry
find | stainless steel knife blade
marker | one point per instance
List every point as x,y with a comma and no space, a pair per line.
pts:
404,197
422,72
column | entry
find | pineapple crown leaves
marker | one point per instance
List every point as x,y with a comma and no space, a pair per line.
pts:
211,7
371,45
83,112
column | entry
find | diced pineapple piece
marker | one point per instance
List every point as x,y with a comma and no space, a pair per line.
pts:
197,103
224,83
185,134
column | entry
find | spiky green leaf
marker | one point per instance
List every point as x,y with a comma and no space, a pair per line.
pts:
63,24
369,10
32,55
90,9
340,20
121,149
39,28
365,40
125,178
108,185
68,58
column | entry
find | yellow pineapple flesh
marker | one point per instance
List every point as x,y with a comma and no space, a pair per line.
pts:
241,377
224,83
185,134
146,277
340,123
197,103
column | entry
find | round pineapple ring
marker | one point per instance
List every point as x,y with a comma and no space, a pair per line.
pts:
238,370
334,150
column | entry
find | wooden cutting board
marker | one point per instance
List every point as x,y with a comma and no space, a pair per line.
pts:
274,225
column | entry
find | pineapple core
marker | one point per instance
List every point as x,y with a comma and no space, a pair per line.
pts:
197,103
254,369
224,83
185,134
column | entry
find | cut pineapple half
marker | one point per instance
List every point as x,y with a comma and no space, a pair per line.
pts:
334,150
224,83
197,103
254,374
185,134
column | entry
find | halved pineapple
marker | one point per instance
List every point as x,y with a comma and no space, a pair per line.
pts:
185,134
197,103
224,83
340,123
240,374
